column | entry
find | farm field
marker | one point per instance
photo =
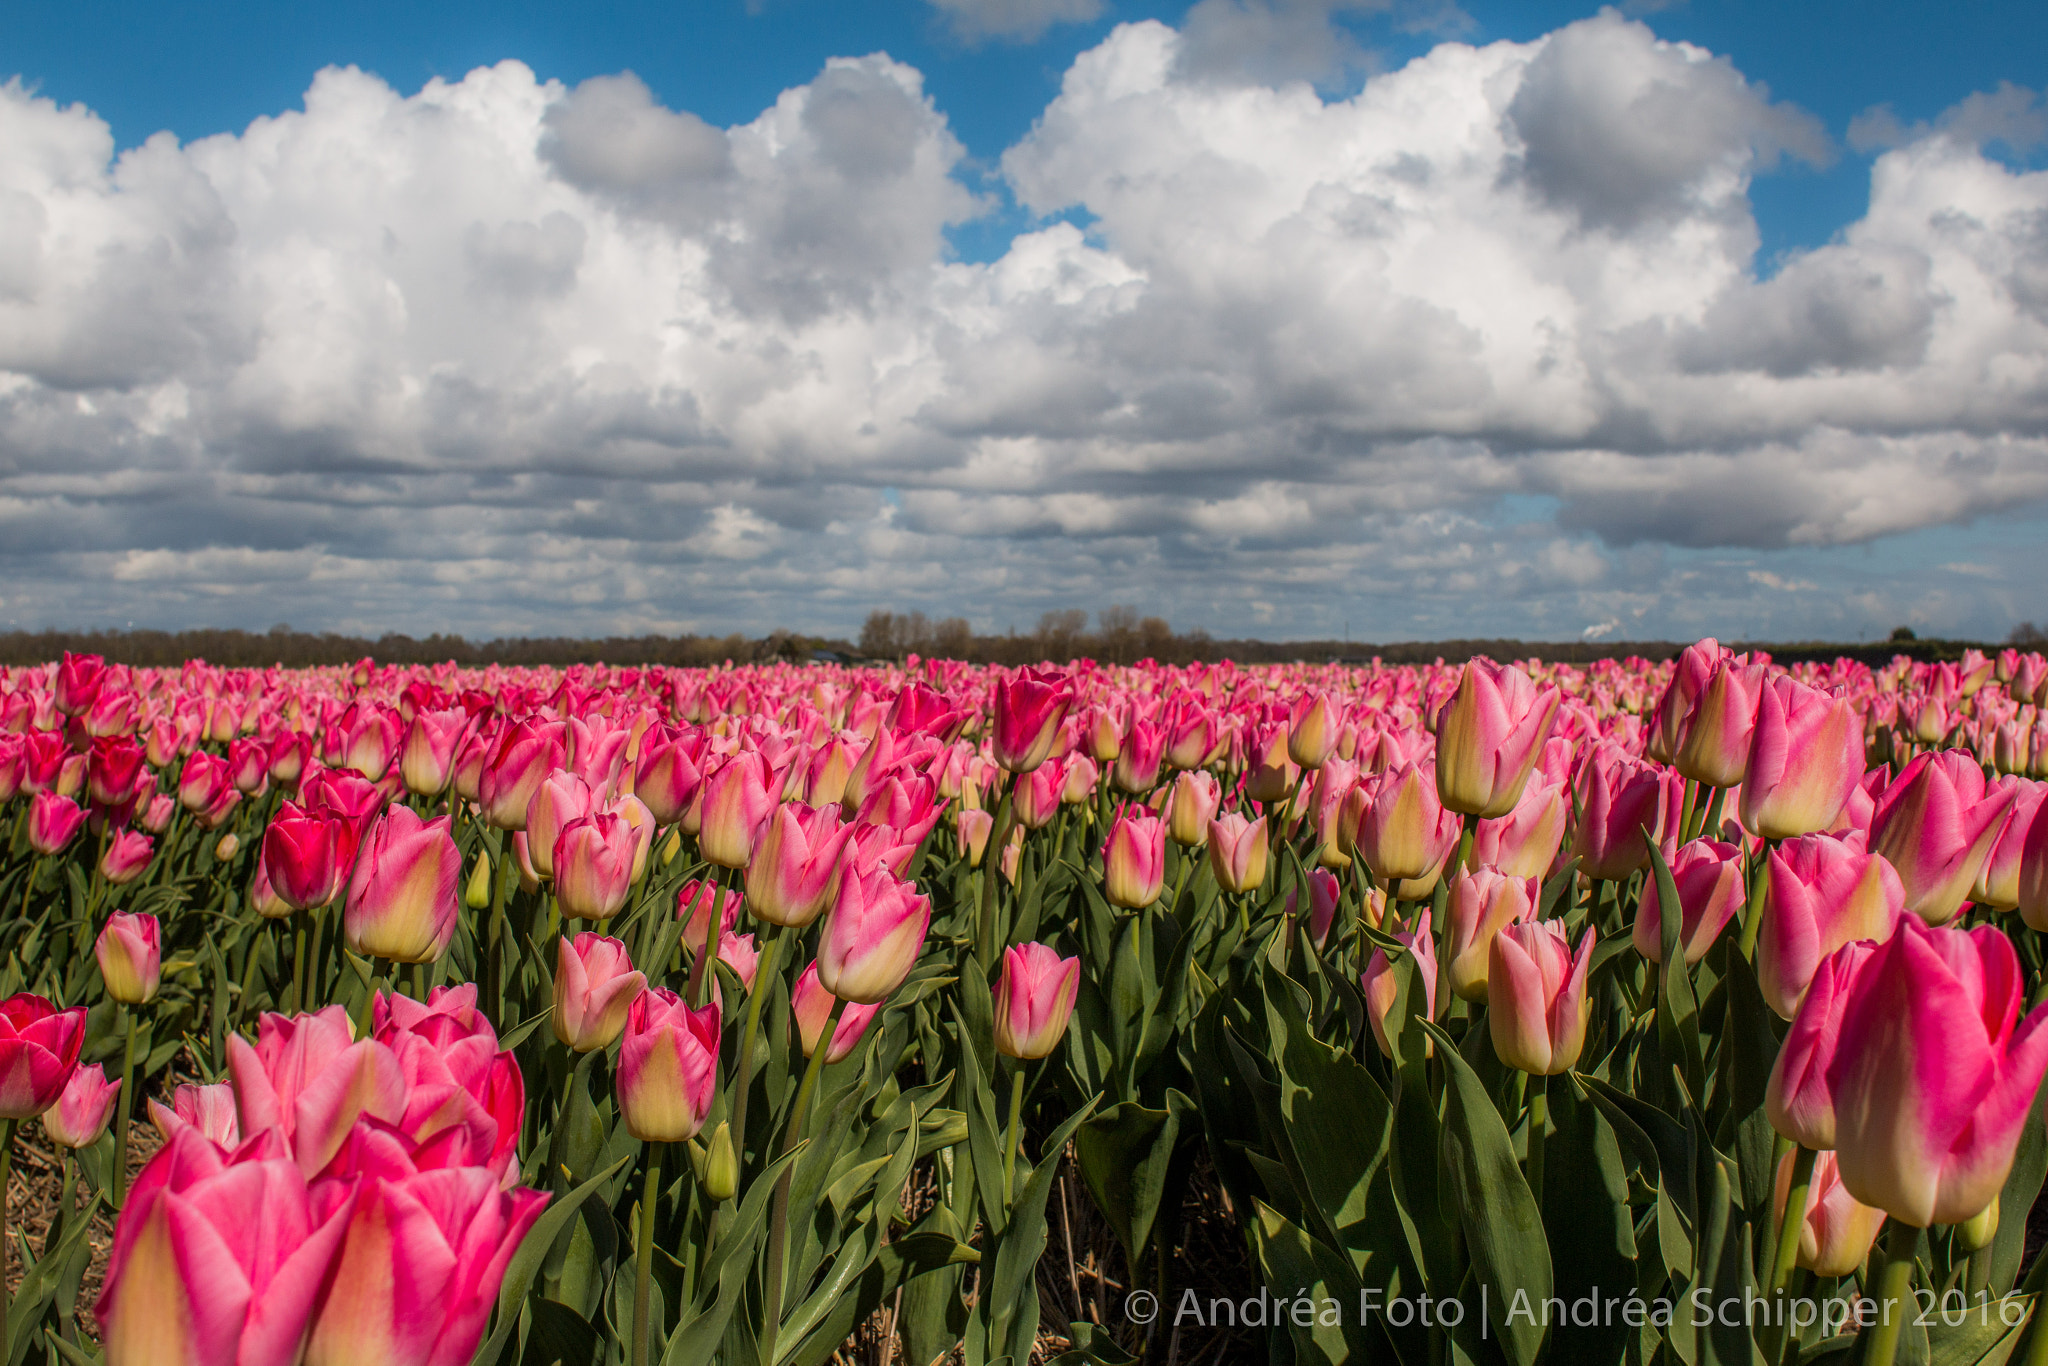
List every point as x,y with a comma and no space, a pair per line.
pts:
1620,1011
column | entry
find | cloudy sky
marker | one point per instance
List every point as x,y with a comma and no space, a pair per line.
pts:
1401,318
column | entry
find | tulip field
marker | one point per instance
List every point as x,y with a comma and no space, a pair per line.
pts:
1675,1012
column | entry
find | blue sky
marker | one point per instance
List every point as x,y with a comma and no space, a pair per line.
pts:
1680,372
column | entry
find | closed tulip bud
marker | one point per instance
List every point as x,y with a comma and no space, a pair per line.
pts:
1406,833
636,815
1482,904
1536,996
1036,798
719,1176
1936,825
1381,989
203,781
1689,675
694,903
39,1047
79,679
307,856
1489,737
872,937
1998,881
593,861
1029,710
1524,843
1034,1000
667,775
812,1005
127,857
1799,1099
738,799
1271,774
225,849
130,952
668,1067
796,864
288,755
1323,895
1805,758
562,797
1934,1073
1134,859
1083,777
1824,891
53,822
1191,807
248,766
1723,721
741,954
1312,730
1105,734
1139,761
263,898
526,752
973,828
156,817
85,1109
1708,875
432,744
1238,852
401,901
113,769
1839,1229
595,984
476,894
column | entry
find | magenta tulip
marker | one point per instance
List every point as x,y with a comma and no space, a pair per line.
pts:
595,984
1708,875
39,1047
1825,891
404,897
1034,1000
1936,825
307,856
1536,996
525,753
53,822
1625,797
127,857
1998,881
1028,710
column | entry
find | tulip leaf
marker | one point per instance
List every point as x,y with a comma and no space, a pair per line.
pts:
1749,1048
1503,1226
1022,1242
1297,1265
1125,1154
40,1281
1586,1215
1678,1026
557,1336
533,1249
2022,1188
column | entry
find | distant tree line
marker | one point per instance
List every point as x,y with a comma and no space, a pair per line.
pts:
1121,636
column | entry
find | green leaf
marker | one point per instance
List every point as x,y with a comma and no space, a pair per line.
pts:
533,1249
1296,1264
1126,1154
557,1336
1503,1227
1022,1242
1678,1026
2022,1188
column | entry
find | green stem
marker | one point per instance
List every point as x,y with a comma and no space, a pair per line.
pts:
369,1015
991,873
6,1186
494,986
1753,909
1793,1222
1712,820
1465,838
643,1287
1539,1121
764,974
299,965
778,1221
121,1111
700,971
1180,880
1894,1285
28,885
1016,1130
1685,811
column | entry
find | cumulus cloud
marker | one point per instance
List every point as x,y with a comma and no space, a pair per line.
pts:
1482,347
1018,21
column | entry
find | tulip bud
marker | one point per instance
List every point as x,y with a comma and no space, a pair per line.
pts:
84,1110
1036,798
1489,737
127,857
796,864
560,799
225,849
1536,996
1839,1229
1312,730
719,1176
1524,843
401,900
1482,904
1029,710
1708,877
1722,723
812,1005
1238,852
1936,824
130,951
1134,860
1824,892
1034,1000
1977,1231
1799,1099
973,828
53,822
595,985
668,1067
1191,807
1805,759
738,800
593,862
1381,989
477,894
873,936
1405,834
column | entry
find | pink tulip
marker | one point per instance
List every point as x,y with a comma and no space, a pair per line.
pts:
1708,875
288,756
1312,726
1139,761
972,827
1381,988
1134,859
694,903
1934,1073
873,936
1825,891
593,861
668,1067
1722,724
1536,996
1238,852
85,1109
43,756
1194,734
1034,1000
209,1109
204,781
113,768
640,820
1998,881
1036,799
561,798
738,799
1190,807
667,775
741,954
595,983
796,864
369,740
1323,895
130,953
79,679
1936,825
307,856
1624,797
39,1047
53,822
308,1078
1524,843
404,897
1799,1100
525,753
597,753
347,795
812,1006
1839,1229
219,1259
1689,675
1805,760
1482,904
454,1074
1489,737
1083,777
1028,710
424,1248
248,766
156,818
127,857
1406,833
432,744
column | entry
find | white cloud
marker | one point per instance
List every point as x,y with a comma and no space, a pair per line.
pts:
1021,21
509,355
